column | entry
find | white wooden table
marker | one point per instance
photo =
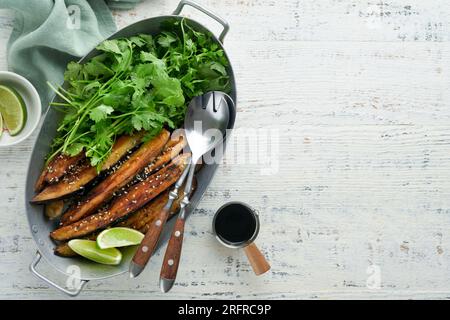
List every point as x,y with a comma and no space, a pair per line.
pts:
360,207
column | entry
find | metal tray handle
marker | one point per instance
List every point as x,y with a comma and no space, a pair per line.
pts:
72,293
226,26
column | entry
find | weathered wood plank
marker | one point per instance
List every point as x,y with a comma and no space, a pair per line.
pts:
358,93
341,204
321,20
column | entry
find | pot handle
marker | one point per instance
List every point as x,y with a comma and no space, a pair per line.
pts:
226,26
72,293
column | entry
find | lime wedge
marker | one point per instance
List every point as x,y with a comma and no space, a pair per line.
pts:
118,237
13,110
90,250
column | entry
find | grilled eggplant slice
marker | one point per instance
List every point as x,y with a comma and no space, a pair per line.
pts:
63,250
118,179
171,150
69,184
85,173
60,167
137,221
140,220
136,197
147,213
40,182
144,217
54,209
57,167
121,147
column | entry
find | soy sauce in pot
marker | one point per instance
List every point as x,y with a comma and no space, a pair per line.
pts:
235,223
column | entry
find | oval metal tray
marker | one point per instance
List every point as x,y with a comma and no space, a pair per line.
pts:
41,227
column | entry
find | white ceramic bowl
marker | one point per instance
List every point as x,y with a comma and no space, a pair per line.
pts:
32,101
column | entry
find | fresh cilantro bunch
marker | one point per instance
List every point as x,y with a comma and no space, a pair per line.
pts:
133,84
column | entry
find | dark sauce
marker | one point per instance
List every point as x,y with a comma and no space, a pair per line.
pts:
235,223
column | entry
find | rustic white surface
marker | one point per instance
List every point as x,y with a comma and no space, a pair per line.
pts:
359,93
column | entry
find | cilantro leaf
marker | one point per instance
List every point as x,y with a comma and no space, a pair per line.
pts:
143,82
73,71
96,68
100,113
74,149
218,67
109,46
147,56
168,90
166,39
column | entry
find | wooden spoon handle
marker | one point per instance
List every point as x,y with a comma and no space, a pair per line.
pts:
148,244
256,259
172,256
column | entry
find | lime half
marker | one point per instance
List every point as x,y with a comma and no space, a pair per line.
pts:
118,237
90,250
13,110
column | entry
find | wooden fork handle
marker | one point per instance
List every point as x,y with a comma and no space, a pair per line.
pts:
172,256
148,244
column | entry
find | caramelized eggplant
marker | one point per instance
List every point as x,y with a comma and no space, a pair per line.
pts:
54,209
144,217
58,167
171,150
116,180
140,220
84,173
135,198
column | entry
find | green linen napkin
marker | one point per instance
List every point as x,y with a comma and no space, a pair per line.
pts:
47,34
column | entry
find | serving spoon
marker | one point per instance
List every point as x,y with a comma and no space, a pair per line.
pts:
205,125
